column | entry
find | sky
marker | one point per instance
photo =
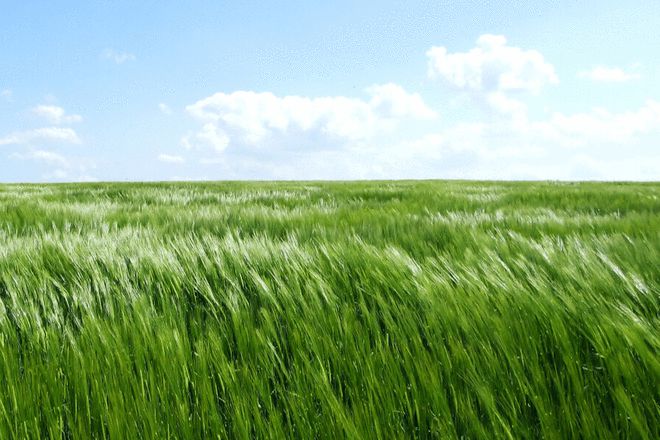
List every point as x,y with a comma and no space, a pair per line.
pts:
215,90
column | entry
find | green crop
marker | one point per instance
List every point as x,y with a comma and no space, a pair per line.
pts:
330,310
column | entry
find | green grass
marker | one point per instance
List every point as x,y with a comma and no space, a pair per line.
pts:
330,310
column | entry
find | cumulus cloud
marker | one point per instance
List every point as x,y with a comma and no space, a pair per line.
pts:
563,146
169,158
503,104
253,116
213,136
493,72
391,100
117,57
55,115
46,134
250,118
491,66
263,135
608,74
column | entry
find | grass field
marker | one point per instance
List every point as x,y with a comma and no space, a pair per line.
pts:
330,310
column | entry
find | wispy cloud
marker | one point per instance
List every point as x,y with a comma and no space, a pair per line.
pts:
55,115
42,156
164,108
46,134
67,176
57,174
6,94
168,158
608,74
118,57
85,178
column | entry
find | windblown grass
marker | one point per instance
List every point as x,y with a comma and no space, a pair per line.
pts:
330,310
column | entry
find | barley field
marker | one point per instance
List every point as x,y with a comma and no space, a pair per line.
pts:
409,309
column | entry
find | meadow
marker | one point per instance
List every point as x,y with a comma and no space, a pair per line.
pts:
410,309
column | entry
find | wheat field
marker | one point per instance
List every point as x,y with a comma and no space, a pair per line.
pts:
409,309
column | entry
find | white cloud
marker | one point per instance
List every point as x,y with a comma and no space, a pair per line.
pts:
391,100
186,143
608,74
118,57
188,178
213,160
492,71
591,132
57,174
6,94
591,145
492,66
503,104
478,140
85,178
46,134
168,158
251,118
213,136
600,126
588,145
72,169
67,176
209,136
55,115
164,108
262,135
43,156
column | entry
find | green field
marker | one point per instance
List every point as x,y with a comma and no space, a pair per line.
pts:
330,310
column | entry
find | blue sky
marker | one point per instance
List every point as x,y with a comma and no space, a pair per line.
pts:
215,90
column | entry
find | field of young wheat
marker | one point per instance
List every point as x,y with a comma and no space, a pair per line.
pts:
330,310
